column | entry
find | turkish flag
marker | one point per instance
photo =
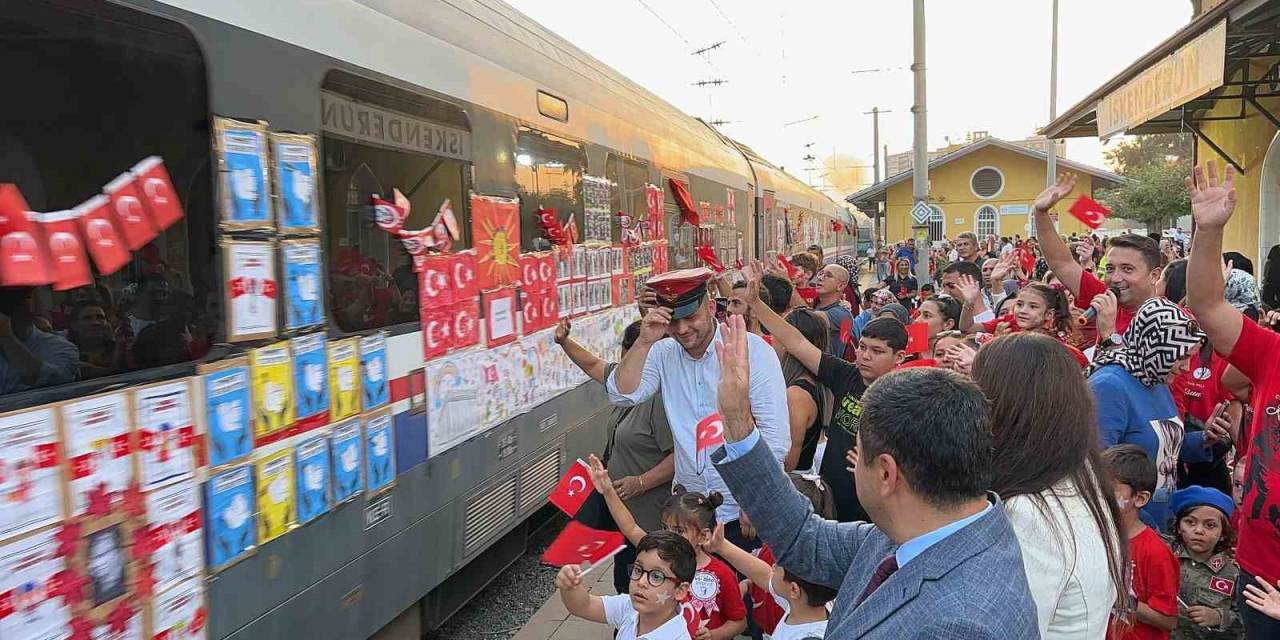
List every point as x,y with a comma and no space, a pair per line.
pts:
573,489
388,216
792,271
530,312
23,261
417,242
846,332
68,263
547,269
579,543
466,323
710,432
1090,212
13,211
130,214
708,255
1222,585
530,275
463,270
550,308
435,284
101,237
158,195
917,337
437,330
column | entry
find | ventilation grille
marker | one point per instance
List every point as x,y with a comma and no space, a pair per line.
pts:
987,182
538,479
487,513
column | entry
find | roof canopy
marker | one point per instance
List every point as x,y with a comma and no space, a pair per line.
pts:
867,198
1169,90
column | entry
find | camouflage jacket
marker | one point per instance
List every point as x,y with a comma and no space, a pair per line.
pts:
1210,584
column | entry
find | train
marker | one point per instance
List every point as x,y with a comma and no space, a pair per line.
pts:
442,99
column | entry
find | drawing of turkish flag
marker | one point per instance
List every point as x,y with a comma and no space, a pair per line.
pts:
1090,212
68,264
101,237
13,211
437,325
466,323
530,276
579,543
435,284
573,489
130,214
530,312
158,195
710,432
917,337
23,262
463,270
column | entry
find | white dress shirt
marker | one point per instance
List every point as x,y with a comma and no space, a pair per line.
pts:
688,388
621,615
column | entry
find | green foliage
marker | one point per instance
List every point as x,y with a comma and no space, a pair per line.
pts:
1137,152
1154,195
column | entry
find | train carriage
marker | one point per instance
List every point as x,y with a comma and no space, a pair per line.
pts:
440,99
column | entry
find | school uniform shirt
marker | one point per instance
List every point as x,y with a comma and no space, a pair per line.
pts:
846,385
714,597
788,631
1090,287
764,611
1258,535
1211,584
1132,413
620,614
1154,582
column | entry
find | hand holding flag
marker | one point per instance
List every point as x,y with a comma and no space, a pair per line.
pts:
573,489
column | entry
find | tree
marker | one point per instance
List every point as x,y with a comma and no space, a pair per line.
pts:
1140,151
1154,194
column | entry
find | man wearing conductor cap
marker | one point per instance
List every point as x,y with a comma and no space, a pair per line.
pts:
686,370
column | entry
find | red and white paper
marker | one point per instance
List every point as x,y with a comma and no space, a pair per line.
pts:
158,195
102,238
466,323
68,262
131,215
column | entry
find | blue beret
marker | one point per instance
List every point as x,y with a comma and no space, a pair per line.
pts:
1196,496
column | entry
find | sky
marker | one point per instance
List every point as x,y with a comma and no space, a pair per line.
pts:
783,62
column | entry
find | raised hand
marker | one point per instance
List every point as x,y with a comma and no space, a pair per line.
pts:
600,476
735,378
1264,598
562,331
654,325
1212,202
717,539
970,290
1051,196
570,577
1105,305
754,273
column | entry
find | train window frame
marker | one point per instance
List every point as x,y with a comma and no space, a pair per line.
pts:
170,46
557,152
553,106
440,117
626,197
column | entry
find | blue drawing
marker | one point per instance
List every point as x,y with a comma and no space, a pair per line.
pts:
380,452
313,478
373,370
227,395
244,158
347,461
297,186
229,508
311,377
303,285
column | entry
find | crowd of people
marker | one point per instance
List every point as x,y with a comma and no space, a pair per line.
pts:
1086,446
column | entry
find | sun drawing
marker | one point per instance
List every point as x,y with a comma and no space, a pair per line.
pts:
498,241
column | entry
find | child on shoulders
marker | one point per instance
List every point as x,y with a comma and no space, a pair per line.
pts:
660,580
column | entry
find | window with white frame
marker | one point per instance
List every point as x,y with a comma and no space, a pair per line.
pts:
936,225
986,221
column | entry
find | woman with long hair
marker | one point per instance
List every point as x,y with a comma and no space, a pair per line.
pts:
1047,470
809,403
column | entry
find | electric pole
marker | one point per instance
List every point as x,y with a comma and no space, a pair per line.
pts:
875,152
920,177
1051,162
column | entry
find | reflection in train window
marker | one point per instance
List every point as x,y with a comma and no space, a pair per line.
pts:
629,177
377,139
549,172
61,142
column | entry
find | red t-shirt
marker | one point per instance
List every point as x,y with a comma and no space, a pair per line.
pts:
1198,391
1090,287
918,363
714,597
1154,583
764,609
1259,531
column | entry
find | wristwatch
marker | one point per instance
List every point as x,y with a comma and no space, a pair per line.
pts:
1114,341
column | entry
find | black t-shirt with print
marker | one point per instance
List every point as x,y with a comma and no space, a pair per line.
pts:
845,382
904,288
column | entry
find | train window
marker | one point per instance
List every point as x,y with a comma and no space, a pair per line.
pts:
377,138
60,142
553,107
549,173
629,177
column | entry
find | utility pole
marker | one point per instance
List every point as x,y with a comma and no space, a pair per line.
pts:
875,152
920,177
1051,163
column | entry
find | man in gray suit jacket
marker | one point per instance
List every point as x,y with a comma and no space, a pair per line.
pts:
941,560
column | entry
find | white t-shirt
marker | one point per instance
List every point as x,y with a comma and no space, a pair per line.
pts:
787,631
621,615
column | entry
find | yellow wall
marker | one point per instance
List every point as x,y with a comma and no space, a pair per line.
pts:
1024,179
1246,141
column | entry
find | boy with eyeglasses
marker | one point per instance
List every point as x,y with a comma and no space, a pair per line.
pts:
660,578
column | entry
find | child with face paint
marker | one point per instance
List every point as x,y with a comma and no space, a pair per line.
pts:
1202,541
1154,580
713,609
660,579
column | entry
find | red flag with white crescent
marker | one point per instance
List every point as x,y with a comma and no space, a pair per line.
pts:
131,215
573,489
101,236
710,432
158,195
68,263
579,543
